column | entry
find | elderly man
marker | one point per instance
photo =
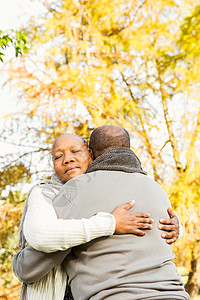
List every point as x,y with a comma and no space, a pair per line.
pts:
118,267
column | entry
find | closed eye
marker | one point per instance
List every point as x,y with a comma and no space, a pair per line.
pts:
75,151
57,157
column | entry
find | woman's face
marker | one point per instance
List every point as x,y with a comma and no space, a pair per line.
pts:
70,157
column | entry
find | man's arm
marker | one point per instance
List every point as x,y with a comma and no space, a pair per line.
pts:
30,265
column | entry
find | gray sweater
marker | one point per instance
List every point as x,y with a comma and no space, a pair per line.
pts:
124,266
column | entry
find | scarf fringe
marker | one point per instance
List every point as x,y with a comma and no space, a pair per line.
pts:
53,285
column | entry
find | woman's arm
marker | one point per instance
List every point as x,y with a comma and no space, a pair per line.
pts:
172,226
41,263
44,232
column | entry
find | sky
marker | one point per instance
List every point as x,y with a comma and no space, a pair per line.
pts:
13,14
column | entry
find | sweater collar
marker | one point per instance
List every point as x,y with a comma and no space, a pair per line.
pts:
117,159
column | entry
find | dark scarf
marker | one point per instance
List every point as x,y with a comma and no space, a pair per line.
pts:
117,159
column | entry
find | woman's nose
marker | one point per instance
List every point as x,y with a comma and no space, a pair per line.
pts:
68,158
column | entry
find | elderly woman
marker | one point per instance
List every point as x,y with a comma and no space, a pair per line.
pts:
43,231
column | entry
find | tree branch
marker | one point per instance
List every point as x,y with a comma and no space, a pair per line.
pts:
168,121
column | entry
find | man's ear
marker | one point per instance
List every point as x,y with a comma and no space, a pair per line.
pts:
91,153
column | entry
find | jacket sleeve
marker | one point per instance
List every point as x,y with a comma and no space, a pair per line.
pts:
181,228
30,265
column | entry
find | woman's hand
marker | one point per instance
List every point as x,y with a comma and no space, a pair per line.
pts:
131,222
171,226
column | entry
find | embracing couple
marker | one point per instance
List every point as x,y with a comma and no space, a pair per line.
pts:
76,228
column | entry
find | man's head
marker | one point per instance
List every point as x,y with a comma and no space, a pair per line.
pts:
107,137
70,156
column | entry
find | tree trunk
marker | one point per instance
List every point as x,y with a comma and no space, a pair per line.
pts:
193,284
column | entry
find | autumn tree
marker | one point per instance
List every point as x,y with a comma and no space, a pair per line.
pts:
187,186
11,207
117,62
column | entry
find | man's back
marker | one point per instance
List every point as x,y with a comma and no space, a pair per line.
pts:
121,266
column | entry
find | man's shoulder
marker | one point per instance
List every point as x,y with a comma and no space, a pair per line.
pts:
81,179
106,174
102,177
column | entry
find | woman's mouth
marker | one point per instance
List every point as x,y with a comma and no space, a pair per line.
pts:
70,169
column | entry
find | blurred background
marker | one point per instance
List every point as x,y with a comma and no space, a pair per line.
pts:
72,65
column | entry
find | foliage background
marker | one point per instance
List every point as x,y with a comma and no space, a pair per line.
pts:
131,63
